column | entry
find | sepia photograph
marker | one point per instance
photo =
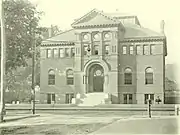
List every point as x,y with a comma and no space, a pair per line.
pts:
89,67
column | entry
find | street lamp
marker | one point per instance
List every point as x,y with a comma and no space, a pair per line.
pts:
3,61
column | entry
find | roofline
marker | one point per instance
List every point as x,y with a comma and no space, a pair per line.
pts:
79,19
58,34
99,12
157,38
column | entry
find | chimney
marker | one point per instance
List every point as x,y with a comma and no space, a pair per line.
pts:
50,32
162,26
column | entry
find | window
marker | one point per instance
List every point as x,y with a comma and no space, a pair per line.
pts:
67,52
146,50
128,76
125,98
124,50
96,49
106,49
55,53
70,77
152,49
107,35
53,97
43,53
61,52
49,53
72,52
96,36
51,77
85,36
149,76
128,98
69,97
138,50
147,97
131,49
85,49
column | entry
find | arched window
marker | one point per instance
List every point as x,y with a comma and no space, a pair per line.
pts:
149,76
128,76
70,77
51,77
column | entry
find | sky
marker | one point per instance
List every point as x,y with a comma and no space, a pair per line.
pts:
149,12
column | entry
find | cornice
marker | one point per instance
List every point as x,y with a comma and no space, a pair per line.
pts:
96,26
57,44
143,39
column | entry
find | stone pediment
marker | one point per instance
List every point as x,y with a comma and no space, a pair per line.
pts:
95,18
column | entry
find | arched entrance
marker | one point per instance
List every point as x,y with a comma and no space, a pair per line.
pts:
96,78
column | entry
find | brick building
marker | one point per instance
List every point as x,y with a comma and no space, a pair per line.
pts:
105,53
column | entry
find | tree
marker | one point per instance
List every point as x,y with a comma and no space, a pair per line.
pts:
21,21
21,25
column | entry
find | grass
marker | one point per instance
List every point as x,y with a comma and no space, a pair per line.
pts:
75,129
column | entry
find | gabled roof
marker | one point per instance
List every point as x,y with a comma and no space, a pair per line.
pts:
95,17
131,31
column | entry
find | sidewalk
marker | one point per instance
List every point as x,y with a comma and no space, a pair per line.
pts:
137,125
19,117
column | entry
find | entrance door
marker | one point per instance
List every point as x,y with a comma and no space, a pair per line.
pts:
98,80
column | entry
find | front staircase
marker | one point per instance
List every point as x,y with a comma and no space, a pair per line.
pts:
93,99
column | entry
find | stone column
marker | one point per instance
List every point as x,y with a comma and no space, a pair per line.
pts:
106,83
101,44
91,42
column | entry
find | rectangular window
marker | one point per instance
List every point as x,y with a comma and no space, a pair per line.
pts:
128,78
146,50
70,81
72,52
148,78
138,50
125,98
43,53
61,52
67,52
51,79
147,97
53,97
124,50
106,49
131,50
96,49
49,53
69,97
55,53
152,49
128,98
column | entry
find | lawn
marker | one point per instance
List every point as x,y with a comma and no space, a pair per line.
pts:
59,129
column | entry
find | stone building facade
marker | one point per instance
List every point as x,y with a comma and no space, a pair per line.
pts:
104,53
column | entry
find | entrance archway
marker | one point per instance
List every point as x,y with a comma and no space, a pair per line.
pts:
96,78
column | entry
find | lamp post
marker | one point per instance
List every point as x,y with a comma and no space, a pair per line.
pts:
3,62
33,71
